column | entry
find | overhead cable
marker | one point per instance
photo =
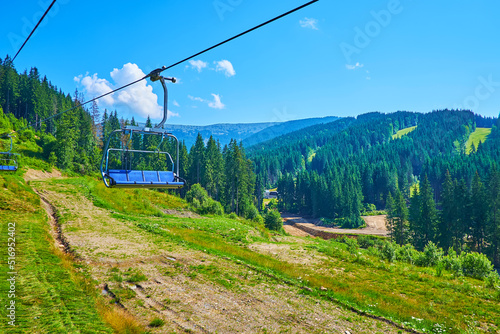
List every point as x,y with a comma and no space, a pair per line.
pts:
33,31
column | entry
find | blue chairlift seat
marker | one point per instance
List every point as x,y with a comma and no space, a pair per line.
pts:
8,160
120,178
8,168
127,177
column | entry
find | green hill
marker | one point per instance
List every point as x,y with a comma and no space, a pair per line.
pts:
479,135
403,132
284,128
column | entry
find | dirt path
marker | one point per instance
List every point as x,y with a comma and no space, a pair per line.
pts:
33,174
375,225
223,297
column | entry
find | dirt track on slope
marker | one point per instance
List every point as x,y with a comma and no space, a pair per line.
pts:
297,225
239,299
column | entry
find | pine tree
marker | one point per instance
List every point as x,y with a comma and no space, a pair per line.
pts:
479,213
428,215
414,216
196,158
211,172
462,214
493,226
448,212
397,218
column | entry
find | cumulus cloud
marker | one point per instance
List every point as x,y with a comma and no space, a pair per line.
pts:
353,67
215,104
198,64
226,67
137,99
309,23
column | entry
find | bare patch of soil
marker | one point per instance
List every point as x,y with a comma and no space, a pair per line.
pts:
293,231
33,174
375,225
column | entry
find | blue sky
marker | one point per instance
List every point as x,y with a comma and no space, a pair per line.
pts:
331,59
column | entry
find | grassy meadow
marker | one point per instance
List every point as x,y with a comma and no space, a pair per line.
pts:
57,293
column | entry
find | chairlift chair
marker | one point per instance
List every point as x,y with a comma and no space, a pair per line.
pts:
8,160
126,177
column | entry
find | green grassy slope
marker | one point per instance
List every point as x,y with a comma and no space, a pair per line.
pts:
422,298
403,132
480,135
50,295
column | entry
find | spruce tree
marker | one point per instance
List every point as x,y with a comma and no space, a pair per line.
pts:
479,213
428,215
448,212
397,218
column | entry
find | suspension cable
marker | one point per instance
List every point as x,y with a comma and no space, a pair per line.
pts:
164,68
33,31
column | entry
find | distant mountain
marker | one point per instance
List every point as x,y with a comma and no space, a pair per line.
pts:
285,128
223,132
249,133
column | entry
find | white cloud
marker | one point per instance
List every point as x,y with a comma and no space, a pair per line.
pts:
225,66
192,98
137,99
215,104
175,103
353,67
170,113
309,23
198,64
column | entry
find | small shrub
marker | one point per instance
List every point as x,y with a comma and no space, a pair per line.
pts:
493,281
452,262
273,220
476,265
156,322
252,212
389,252
407,253
352,244
233,215
258,219
374,251
439,268
202,203
367,241
430,256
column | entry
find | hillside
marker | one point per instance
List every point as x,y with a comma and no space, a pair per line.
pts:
154,259
365,144
249,133
222,132
284,128
478,136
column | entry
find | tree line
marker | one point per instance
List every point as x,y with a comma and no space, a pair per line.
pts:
74,141
353,165
464,218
